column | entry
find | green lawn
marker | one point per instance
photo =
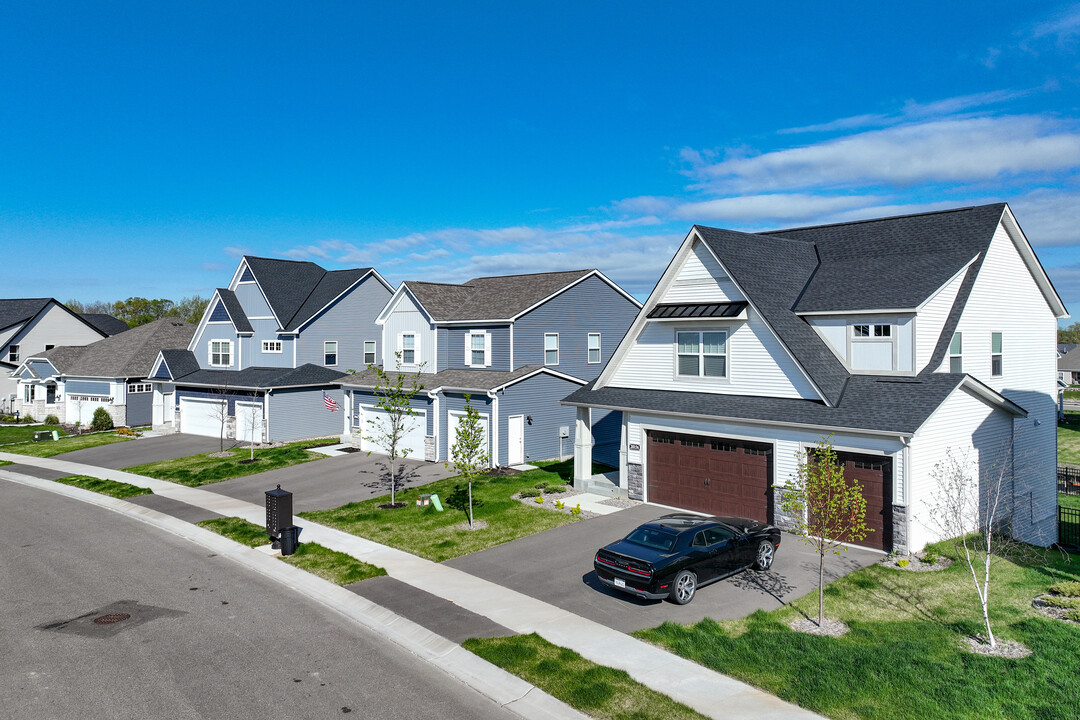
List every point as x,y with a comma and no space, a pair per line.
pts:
24,433
64,444
428,533
1069,501
903,658
105,487
196,470
1069,439
238,529
595,690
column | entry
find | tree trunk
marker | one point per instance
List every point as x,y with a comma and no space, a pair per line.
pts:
393,481
821,588
470,503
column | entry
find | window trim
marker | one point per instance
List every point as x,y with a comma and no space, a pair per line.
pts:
136,388
13,353
1000,354
958,355
228,353
469,350
415,348
326,353
589,348
554,349
374,350
701,355
267,346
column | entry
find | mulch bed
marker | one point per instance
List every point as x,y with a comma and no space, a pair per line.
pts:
550,499
1004,648
502,471
1052,611
915,563
392,506
829,627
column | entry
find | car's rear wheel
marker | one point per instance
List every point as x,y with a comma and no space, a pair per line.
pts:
683,587
764,557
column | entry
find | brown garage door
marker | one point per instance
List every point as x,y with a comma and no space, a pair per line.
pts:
710,475
874,473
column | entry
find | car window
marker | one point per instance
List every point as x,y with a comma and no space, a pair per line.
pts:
652,538
716,535
699,540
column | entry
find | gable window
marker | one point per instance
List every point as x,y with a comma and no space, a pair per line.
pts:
220,353
594,348
13,353
140,387
551,348
49,347
369,352
956,352
995,354
477,349
271,346
329,351
868,330
702,354
407,348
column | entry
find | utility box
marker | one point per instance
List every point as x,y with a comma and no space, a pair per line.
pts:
278,513
564,432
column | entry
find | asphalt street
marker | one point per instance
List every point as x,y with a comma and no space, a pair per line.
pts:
106,617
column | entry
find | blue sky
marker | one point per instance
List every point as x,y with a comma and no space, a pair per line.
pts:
145,146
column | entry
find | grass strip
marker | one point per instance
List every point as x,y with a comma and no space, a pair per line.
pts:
1069,439
111,488
238,529
439,536
1069,501
25,433
596,690
65,444
202,469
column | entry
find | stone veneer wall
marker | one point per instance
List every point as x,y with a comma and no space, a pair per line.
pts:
635,481
900,529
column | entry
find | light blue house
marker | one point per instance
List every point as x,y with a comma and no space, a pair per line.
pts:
265,359
517,344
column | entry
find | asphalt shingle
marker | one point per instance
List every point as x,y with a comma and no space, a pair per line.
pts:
487,298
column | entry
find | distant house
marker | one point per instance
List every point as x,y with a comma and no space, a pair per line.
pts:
1068,364
901,338
71,382
33,325
515,343
268,353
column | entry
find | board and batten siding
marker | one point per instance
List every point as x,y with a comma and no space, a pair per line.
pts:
251,299
350,321
406,316
452,346
538,397
897,357
455,402
300,414
88,387
701,279
931,321
757,363
140,408
591,306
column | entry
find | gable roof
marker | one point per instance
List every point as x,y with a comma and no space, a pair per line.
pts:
127,355
297,289
487,298
459,379
1070,361
260,378
19,310
236,311
178,362
106,323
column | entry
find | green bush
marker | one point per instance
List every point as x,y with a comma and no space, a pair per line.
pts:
529,492
102,420
26,420
556,488
541,486
1067,587
903,563
52,420
1073,615
1062,601
928,558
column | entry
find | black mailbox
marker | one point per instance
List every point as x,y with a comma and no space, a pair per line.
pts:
278,513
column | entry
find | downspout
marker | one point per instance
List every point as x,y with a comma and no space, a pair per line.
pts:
494,427
435,420
266,412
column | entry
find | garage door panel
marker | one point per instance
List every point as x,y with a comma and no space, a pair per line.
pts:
374,421
874,475
200,417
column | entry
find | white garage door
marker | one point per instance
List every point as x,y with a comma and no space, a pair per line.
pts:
451,433
249,422
200,417
376,421
80,408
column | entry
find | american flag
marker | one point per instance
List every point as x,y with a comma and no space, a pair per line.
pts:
331,403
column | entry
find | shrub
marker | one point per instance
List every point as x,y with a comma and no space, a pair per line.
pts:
529,493
559,504
27,419
928,558
556,488
1073,615
52,420
126,432
9,418
102,420
903,563
1066,587
539,500
576,510
1062,602
541,486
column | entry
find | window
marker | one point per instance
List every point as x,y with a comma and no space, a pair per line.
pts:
220,353
13,354
271,346
140,387
477,349
28,393
956,351
883,331
995,354
49,347
369,352
551,348
872,330
594,348
702,354
407,347
862,331
716,535
329,351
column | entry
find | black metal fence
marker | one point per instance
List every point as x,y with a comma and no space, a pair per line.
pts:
1068,479
1069,526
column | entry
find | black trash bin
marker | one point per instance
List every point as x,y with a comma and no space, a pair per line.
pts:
290,539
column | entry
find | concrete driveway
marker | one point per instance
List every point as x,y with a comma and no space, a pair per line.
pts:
556,566
143,450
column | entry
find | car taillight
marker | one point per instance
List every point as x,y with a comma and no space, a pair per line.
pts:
638,571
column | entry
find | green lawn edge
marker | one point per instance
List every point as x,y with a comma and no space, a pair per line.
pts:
111,488
1068,434
202,469
64,444
596,690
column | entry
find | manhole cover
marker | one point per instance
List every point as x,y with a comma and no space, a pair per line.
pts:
111,618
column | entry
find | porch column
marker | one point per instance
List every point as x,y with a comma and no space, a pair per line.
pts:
583,445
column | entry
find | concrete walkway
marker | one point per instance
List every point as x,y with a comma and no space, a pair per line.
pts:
708,692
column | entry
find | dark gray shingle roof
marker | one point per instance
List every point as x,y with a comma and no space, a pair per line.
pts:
298,289
332,284
235,310
490,298
262,377
17,310
130,354
1070,361
479,380
106,323
180,362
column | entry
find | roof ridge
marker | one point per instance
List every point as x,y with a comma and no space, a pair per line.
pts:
757,235
547,272
879,219
274,259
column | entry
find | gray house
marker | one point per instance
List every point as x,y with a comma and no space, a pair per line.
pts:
515,343
72,382
269,350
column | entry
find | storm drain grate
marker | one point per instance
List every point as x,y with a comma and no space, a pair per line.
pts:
111,618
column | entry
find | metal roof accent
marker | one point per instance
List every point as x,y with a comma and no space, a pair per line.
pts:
699,310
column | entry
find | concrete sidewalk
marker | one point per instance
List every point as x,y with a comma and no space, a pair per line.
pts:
706,691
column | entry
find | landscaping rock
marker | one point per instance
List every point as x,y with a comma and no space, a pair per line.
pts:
551,498
477,525
1004,648
915,563
1052,611
830,627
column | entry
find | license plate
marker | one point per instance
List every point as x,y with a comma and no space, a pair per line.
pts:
619,582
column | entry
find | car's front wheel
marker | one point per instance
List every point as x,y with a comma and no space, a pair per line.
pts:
765,552
683,587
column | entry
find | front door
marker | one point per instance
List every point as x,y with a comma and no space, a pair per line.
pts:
515,438
168,408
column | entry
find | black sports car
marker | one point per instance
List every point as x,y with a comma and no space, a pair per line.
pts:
671,557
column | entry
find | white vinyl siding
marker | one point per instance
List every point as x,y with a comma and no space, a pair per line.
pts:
931,321
701,279
551,348
406,317
594,348
478,349
701,354
219,353
956,353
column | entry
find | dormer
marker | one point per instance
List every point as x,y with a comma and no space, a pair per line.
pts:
877,343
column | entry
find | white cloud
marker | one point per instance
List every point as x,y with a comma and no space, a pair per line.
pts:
780,206
968,150
1062,27
1049,216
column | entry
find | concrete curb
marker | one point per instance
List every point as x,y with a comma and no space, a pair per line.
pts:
511,692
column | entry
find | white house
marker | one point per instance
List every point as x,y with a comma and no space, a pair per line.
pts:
900,337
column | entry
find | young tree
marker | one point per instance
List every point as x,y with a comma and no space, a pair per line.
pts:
975,516
469,453
827,508
220,412
394,394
